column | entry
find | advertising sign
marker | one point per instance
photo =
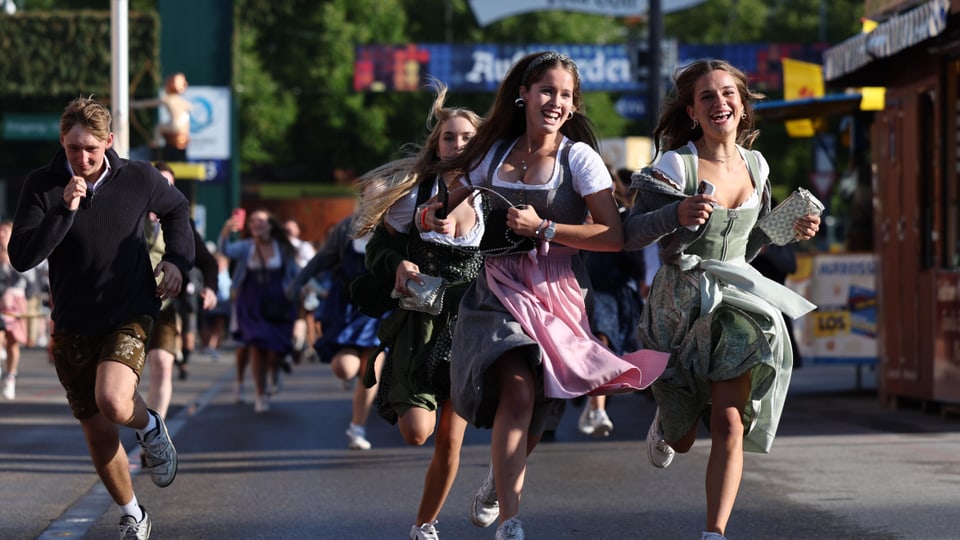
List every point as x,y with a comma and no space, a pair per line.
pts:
209,122
843,329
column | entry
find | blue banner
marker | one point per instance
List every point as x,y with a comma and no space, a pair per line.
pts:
603,68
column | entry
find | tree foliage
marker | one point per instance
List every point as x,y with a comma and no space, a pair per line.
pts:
300,120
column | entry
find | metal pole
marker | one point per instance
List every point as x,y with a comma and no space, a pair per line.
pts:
655,80
120,77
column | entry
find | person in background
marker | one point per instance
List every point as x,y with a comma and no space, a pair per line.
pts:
166,338
13,302
215,320
720,319
266,265
85,213
349,340
415,379
615,279
522,345
303,329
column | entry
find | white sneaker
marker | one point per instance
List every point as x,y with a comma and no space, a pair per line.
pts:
658,450
485,509
427,531
131,529
261,404
584,424
510,529
10,387
358,438
595,422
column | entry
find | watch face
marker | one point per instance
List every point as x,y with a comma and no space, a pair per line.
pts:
550,231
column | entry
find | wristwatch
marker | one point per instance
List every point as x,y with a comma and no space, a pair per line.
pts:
550,231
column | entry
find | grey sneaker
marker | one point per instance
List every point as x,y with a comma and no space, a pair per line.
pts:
159,453
485,508
510,529
658,450
712,536
427,531
131,529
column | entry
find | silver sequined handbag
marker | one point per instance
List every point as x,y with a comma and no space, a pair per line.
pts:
778,224
427,298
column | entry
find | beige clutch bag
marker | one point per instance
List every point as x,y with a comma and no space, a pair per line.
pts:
778,224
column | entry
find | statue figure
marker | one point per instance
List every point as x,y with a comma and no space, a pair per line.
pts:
175,134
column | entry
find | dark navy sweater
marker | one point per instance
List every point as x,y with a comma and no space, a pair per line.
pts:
100,272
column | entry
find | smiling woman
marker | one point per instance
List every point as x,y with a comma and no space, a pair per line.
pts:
523,345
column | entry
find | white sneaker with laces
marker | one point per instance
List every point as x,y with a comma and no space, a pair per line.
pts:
159,453
602,425
485,509
131,529
510,529
658,450
357,436
427,531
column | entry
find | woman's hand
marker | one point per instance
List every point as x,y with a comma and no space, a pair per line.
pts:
406,270
523,220
806,227
695,210
427,220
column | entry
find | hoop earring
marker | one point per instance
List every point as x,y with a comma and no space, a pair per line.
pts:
695,124
743,115
570,115
519,102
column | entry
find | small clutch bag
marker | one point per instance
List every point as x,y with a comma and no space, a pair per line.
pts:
427,298
778,224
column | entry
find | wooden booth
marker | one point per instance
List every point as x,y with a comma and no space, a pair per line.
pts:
914,52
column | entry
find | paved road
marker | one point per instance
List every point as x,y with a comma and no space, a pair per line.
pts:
842,467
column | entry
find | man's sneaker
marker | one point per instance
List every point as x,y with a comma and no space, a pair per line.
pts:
485,508
357,436
595,422
427,531
510,529
10,387
131,529
159,453
658,450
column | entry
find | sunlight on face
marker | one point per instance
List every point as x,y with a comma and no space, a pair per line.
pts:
716,102
85,152
549,101
454,134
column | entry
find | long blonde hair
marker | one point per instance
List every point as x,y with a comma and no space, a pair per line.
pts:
383,186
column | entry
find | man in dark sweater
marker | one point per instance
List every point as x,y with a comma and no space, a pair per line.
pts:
84,212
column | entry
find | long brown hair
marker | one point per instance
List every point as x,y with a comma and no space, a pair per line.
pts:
506,121
674,128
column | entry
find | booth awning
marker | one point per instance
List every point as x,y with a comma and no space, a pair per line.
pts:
832,105
894,35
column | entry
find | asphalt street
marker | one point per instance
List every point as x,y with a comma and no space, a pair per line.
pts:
843,466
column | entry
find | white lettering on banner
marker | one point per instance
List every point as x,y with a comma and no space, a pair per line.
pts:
851,268
487,68
596,70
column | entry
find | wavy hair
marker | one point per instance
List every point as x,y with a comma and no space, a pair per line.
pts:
383,186
673,130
